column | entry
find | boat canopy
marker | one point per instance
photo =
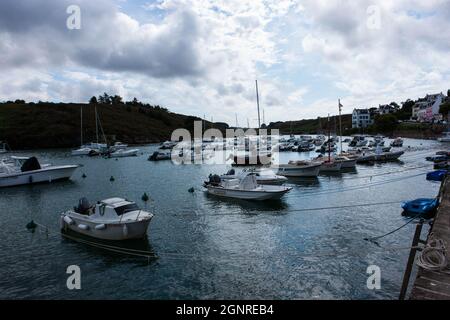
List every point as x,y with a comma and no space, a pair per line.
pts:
249,182
30,164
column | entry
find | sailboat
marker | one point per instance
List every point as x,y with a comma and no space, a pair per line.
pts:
348,161
93,148
329,165
258,156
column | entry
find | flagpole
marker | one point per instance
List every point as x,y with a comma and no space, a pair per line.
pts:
340,124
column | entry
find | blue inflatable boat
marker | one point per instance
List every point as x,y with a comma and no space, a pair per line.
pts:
423,208
437,175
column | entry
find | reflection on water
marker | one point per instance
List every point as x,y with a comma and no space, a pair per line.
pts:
247,207
306,182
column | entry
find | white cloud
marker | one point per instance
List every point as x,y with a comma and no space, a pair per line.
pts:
202,57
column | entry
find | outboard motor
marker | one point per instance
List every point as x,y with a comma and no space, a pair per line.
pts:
83,206
214,180
231,172
153,156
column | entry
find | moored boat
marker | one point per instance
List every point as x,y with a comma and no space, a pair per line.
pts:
28,170
299,169
346,162
398,142
158,156
424,208
445,137
121,153
329,165
262,176
246,188
110,219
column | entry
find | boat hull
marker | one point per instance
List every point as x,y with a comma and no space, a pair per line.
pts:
38,176
348,164
330,167
123,154
294,171
247,194
112,231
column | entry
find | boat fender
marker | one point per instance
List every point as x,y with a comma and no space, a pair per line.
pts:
125,230
100,226
68,220
83,226
61,223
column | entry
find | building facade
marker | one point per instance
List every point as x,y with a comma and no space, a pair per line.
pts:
427,109
361,118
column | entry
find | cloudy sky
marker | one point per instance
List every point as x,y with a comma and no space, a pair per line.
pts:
202,57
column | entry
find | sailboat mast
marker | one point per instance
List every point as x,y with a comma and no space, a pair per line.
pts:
81,124
340,124
329,143
96,124
257,103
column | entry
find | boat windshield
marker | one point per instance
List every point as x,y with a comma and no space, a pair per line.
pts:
126,208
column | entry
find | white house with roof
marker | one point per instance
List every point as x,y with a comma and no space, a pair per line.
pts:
385,109
361,118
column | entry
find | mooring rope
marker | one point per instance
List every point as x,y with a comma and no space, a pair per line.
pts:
434,256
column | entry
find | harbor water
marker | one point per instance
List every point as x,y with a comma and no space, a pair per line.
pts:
308,245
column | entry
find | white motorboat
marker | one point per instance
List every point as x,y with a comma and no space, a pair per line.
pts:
158,156
168,145
358,141
110,219
264,176
445,138
28,170
85,151
119,146
299,169
379,155
246,188
121,153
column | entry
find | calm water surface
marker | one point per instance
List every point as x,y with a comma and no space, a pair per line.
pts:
209,248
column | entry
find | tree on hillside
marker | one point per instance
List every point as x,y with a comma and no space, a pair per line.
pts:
444,109
386,122
448,93
395,105
104,99
93,100
407,106
135,102
116,99
19,101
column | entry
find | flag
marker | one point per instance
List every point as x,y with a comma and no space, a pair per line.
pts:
340,105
